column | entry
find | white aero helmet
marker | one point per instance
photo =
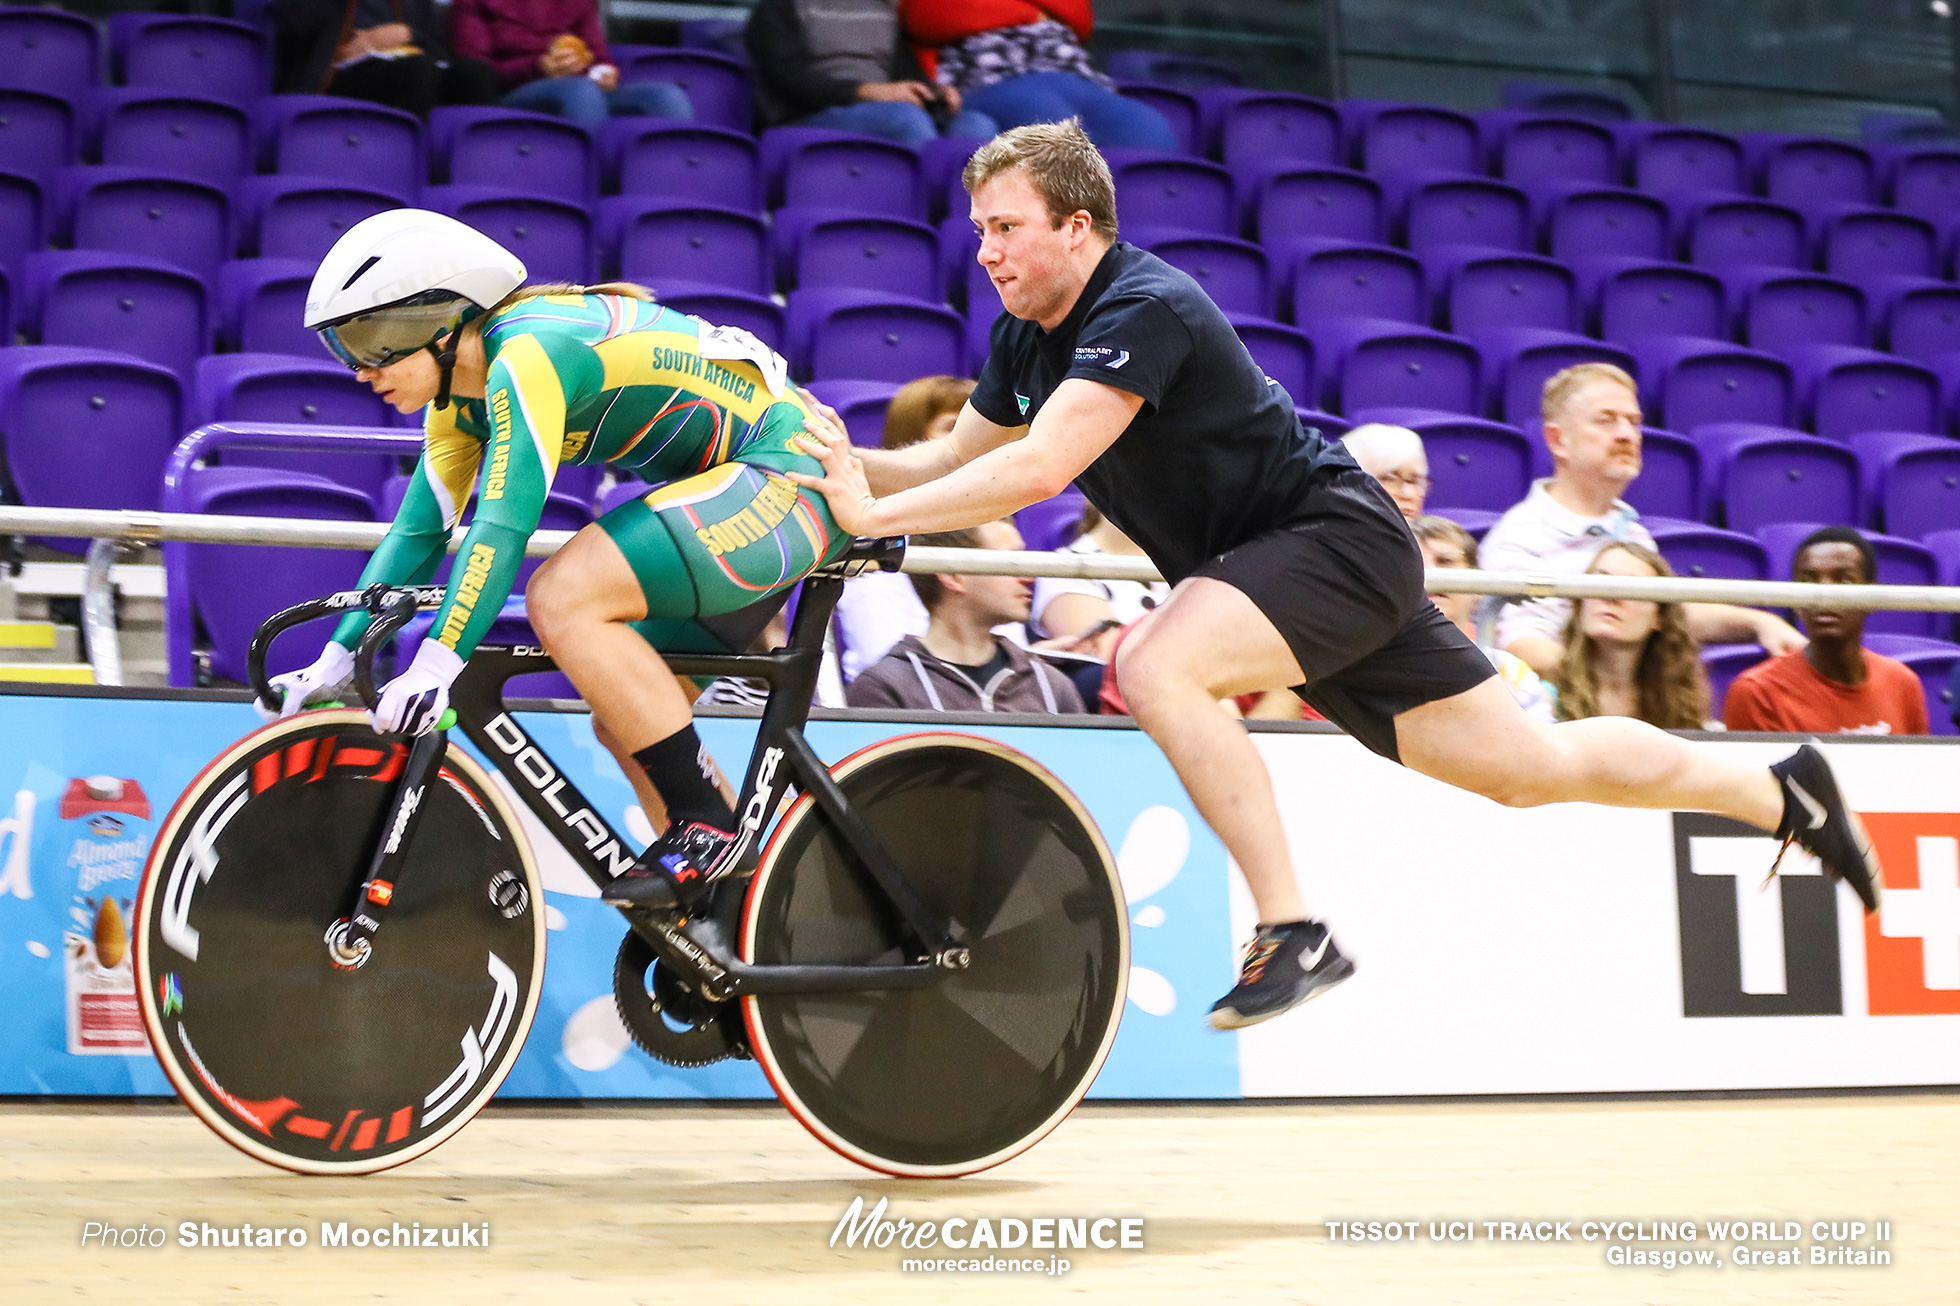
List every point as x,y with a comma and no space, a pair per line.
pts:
400,281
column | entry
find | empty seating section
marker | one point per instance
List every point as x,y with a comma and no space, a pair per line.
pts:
1786,302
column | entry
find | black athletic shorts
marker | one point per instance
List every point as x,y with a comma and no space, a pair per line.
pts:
1343,583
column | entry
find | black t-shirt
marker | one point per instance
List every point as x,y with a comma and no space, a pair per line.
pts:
1215,456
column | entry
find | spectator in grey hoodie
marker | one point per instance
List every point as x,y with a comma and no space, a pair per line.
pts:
960,665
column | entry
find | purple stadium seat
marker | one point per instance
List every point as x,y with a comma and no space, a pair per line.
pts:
207,56
131,211
1765,474
513,149
1473,462
1720,231
1579,221
760,316
1322,279
1945,548
171,131
104,423
301,217
1284,201
1242,126
1844,391
1165,190
1856,240
1431,209
655,240
1662,159
861,404
1917,317
942,160
6,308
1179,107
1384,136
552,237
673,160
963,281
1284,353
1474,290
810,167
352,140
1911,481
1937,664
23,220
1777,307
261,305
1373,363
142,306
838,247
1900,562
1569,101
1723,663
1328,425
1707,553
1525,148
38,132
1477,521
1519,360
235,587
717,85
1923,180
1628,298
1685,382
1050,523
979,334
839,333
1669,484
1793,169
1234,273
1184,70
48,50
285,388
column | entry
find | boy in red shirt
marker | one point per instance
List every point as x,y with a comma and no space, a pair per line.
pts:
1835,685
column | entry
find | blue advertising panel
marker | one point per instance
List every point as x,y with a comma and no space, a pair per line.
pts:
85,781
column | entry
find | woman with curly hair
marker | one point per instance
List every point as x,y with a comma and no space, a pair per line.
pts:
1627,657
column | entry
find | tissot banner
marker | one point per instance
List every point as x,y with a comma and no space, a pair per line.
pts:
1570,949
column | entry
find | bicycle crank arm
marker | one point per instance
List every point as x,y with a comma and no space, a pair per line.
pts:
350,940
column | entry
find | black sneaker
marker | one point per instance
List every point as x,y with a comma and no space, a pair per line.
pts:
1816,819
673,873
1284,966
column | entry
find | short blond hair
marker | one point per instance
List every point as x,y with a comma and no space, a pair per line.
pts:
1061,162
1563,385
918,403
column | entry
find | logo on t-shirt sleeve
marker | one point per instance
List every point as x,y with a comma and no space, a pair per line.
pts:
1109,358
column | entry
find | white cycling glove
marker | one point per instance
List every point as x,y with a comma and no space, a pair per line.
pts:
312,685
413,701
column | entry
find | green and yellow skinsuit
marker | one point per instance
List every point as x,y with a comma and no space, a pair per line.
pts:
592,378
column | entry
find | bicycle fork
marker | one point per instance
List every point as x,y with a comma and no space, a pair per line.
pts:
350,940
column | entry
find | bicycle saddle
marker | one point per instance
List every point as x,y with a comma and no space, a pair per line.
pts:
867,554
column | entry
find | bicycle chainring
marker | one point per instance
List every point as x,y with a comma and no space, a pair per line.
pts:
668,1019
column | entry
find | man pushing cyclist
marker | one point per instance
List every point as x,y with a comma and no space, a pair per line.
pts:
1112,370
517,381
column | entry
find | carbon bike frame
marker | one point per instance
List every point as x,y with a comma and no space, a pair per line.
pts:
699,948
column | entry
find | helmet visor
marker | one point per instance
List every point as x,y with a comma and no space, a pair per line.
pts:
388,335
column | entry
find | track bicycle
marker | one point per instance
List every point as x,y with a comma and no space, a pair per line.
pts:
340,937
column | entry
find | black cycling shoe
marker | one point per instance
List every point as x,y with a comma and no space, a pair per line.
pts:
1816,819
1284,966
672,874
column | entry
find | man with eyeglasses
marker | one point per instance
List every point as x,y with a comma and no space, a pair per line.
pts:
1592,428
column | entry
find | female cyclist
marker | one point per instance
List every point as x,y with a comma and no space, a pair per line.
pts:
518,380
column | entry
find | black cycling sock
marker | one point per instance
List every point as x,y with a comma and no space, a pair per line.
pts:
680,769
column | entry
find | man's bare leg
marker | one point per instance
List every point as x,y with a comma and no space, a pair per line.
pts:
1209,641
1481,740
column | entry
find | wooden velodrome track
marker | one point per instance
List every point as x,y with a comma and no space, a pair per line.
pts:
737,1205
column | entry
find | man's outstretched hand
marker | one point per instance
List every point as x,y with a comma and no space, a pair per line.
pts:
843,485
